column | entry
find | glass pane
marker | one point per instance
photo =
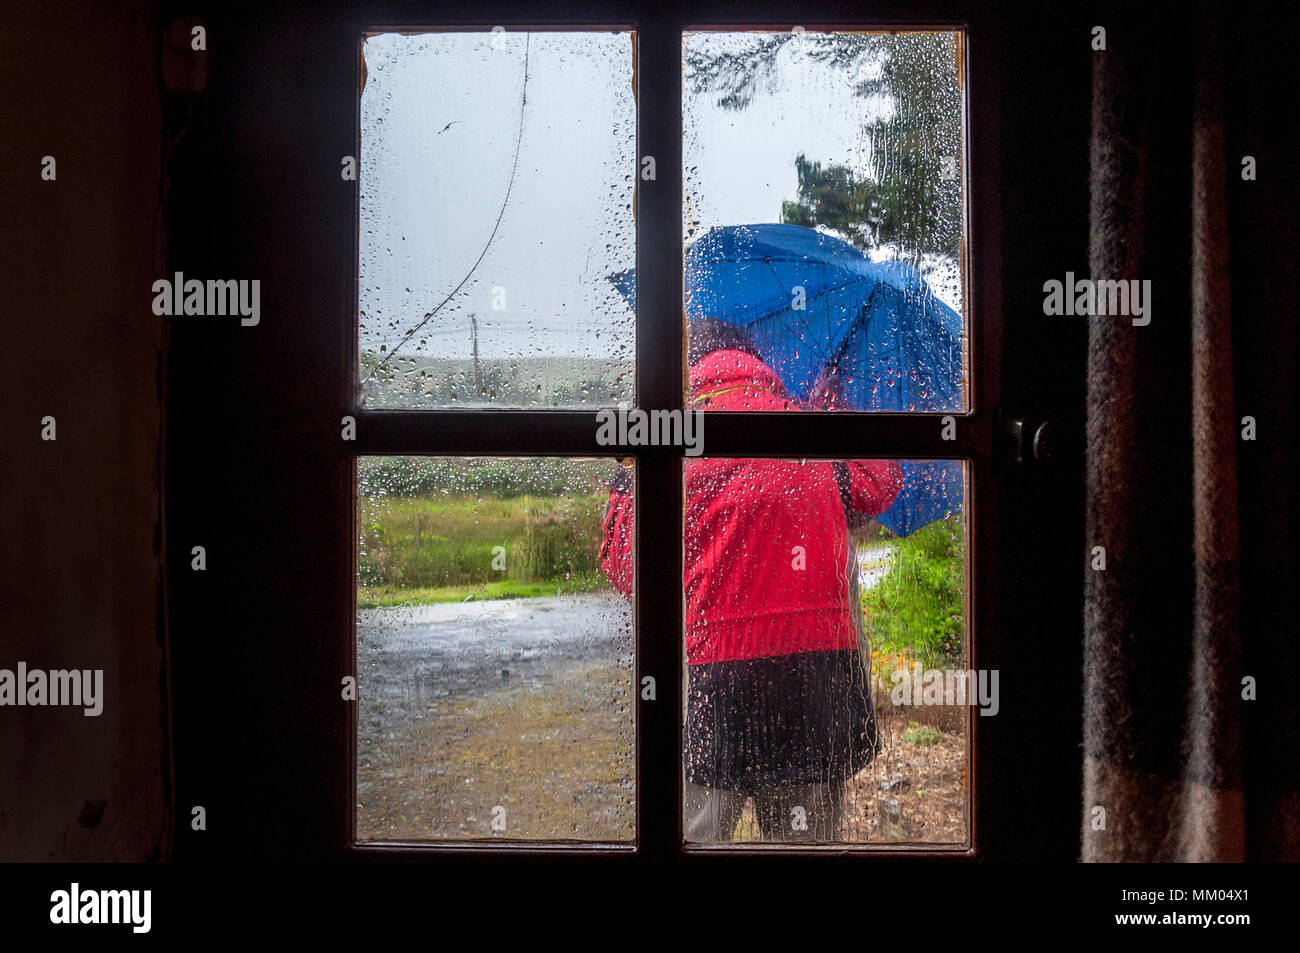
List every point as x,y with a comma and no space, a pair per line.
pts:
496,182
825,601
494,657
824,216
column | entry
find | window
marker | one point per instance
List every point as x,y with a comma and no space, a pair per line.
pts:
533,202
494,666
496,193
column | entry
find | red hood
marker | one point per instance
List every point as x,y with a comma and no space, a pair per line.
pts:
734,380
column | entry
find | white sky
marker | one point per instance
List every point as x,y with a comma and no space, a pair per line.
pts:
431,193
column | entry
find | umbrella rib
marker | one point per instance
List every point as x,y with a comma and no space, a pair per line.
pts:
767,260
866,314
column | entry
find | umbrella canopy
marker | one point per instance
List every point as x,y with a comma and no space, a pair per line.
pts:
839,330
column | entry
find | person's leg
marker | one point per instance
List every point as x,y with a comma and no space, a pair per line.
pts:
711,814
801,812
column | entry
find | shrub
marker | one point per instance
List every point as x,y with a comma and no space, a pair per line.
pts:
917,608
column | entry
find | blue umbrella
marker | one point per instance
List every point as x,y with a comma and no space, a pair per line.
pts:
824,315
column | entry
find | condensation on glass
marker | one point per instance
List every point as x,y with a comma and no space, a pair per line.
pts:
823,177
827,698
494,654
496,181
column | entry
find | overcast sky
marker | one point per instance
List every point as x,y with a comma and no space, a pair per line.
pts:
440,119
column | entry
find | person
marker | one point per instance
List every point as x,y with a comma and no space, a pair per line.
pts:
778,696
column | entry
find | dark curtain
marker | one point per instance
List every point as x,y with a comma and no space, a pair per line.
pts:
1197,597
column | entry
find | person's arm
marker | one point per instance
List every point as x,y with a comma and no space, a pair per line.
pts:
872,486
616,547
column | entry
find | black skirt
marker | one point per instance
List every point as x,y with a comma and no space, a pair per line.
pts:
788,719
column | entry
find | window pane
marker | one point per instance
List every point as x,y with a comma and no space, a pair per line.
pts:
494,657
825,601
496,183
824,215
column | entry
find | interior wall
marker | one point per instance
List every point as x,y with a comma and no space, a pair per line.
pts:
80,579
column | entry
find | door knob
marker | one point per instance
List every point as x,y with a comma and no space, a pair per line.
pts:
1027,440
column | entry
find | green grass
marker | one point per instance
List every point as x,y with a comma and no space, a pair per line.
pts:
374,597
918,734
444,548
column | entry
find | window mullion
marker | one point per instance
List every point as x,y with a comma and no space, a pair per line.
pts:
659,340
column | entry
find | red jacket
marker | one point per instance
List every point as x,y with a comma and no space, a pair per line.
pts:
766,541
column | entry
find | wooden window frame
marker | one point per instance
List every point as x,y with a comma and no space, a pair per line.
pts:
659,379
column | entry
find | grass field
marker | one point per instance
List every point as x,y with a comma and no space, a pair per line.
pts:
446,549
